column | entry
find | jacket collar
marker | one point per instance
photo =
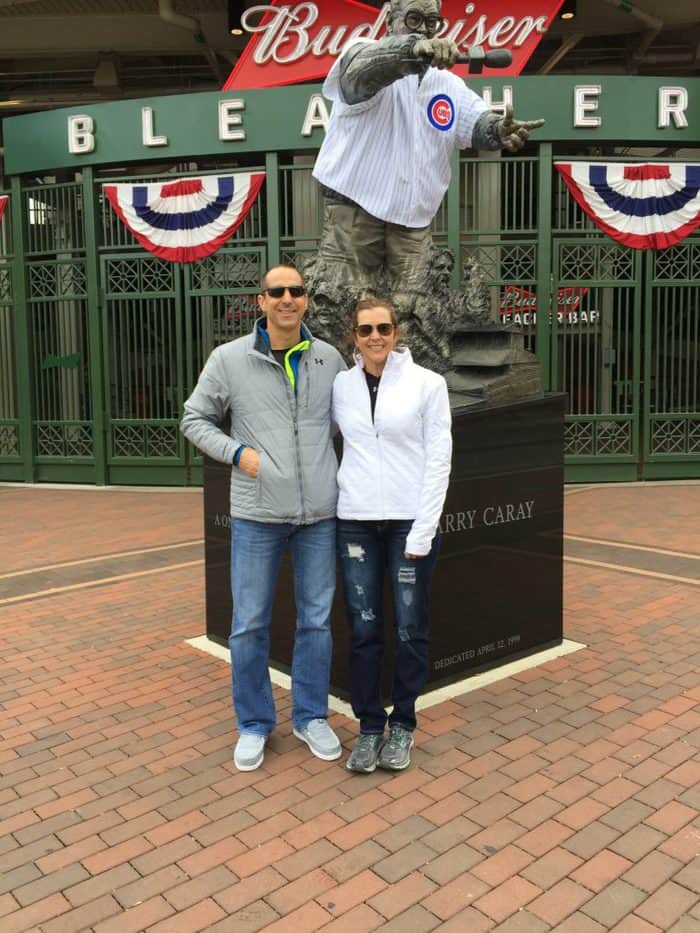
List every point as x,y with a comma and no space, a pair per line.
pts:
397,361
261,340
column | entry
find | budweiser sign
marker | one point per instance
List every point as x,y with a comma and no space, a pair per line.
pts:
295,42
514,298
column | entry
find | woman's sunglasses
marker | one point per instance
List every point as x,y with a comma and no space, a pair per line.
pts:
385,329
296,291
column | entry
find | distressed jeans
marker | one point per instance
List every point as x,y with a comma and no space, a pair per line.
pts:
367,551
256,554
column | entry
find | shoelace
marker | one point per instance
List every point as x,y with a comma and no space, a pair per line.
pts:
398,739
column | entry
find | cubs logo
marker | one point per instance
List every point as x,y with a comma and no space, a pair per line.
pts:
441,112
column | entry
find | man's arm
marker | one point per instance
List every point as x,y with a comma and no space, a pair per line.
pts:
367,67
206,409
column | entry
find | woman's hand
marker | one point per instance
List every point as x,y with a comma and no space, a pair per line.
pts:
412,556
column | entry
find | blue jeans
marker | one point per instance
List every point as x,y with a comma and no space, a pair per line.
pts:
256,554
366,550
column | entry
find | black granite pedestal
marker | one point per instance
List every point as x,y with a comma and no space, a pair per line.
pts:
497,587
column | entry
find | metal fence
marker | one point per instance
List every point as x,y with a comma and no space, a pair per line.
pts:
101,342
672,360
10,449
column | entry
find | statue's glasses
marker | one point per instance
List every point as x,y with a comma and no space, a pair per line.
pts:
276,291
414,20
385,329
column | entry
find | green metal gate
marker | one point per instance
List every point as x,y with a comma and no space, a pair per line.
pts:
498,231
144,367
101,342
672,362
10,443
596,353
62,339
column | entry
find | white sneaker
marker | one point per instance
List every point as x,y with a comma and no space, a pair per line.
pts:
250,750
321,739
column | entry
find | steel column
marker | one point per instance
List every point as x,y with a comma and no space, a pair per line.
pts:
23,336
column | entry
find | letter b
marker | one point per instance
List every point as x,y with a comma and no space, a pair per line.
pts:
81,136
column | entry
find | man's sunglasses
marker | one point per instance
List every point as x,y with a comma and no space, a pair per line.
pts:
296,291
364,330
415,20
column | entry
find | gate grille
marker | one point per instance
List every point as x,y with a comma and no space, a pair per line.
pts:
498,230
9,421
56,285
672,399
101,341
143,340
595,348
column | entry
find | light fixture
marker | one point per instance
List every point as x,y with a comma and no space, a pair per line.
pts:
106,75
568,10
235,12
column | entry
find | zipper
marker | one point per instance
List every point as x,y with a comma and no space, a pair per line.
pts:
379,446
294,412
294,407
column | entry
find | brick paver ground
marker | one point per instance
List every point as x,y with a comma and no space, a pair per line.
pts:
564,798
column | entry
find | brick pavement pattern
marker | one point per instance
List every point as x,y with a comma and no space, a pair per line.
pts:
564,798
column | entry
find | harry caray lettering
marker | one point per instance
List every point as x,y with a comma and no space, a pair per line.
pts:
486,516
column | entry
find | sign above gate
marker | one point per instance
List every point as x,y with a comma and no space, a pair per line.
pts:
295,42
293,119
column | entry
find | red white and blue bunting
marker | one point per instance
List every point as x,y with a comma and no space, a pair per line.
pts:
643,206
187,219
3,204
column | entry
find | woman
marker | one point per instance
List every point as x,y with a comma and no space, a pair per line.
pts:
395,420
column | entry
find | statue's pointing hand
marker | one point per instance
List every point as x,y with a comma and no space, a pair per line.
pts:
515,133
441,53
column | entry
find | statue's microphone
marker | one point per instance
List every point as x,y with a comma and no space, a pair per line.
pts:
478,59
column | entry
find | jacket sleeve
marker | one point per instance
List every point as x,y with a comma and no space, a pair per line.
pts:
206,409
437,443
340,367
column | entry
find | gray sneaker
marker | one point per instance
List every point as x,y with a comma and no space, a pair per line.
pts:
250,750
366,752
396,751
321,739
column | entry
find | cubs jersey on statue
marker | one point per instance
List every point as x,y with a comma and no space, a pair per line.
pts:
419,122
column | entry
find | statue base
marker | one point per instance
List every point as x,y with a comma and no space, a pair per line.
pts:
497,588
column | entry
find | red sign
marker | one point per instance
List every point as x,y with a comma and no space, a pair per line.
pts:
299,41
516,299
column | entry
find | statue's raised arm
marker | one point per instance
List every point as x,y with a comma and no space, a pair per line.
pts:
411,48
366,68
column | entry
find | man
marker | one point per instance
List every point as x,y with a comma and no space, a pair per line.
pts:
275,386
398,115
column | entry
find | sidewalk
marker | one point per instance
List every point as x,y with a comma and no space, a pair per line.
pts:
564,798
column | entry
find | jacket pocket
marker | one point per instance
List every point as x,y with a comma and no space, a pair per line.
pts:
275,493
322,484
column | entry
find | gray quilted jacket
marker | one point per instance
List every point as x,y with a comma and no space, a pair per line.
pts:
290,427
